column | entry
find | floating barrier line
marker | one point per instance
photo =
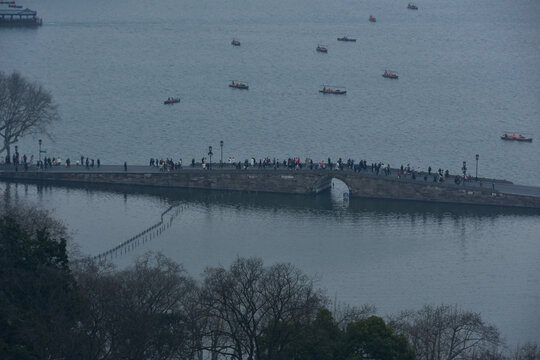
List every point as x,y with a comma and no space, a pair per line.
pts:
148,233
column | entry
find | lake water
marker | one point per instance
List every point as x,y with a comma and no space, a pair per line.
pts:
395,255
467,75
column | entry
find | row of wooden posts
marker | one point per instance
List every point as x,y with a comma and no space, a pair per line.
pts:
151,233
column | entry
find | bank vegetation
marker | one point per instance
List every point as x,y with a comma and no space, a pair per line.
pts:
54,308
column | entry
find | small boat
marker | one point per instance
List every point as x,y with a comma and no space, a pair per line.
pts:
412,7
172,100
390,75
345,38
372,18
13,5
235,42
516,138
336,90
322,48
238,85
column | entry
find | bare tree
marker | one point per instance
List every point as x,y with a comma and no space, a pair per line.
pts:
248,298
137,313
25,108
345,314
527,351
446,332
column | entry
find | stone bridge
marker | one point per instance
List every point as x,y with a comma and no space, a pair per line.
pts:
361,184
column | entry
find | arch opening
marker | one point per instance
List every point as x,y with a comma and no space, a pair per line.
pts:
339,192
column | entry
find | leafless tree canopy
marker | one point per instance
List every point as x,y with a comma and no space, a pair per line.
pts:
137,313
242,302
25,108
446,332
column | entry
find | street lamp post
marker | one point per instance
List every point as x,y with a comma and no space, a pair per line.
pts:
39,142
477,156
221,161
210,153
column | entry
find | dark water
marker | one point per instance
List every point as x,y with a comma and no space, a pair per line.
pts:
467,75
395,255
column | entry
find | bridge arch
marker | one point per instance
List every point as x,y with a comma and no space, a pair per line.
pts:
335,182
339,192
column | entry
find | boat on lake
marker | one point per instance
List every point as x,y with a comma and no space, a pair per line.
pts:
346,38
17,17
235,42
172,100
412,7
322,48
336,90
372,18
239,85
390,74
516,138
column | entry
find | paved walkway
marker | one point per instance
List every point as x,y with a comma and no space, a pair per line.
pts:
498,185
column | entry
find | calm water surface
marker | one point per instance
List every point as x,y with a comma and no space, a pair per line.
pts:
467,75
395,255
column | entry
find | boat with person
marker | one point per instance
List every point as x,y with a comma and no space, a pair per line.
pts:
412,6
372,18
336,90
172,100
236,84
322,49
513,137
346,38
235,42
390,74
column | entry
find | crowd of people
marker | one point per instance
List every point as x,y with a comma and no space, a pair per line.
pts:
47,162
166,165
295,163
291,163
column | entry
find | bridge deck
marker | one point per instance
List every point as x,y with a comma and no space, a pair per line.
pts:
361,184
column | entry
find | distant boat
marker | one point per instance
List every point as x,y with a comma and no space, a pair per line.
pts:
322,48
336,90
372,18
239,85
345,38
13,5
516,138
235,42
172,100
390,75
16,17
412,7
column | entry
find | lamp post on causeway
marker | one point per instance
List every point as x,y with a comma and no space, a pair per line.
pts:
210,153
477,156
221,161
39,142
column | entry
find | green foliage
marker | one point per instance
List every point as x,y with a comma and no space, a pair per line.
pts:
292,340
322,339
372,338
36,292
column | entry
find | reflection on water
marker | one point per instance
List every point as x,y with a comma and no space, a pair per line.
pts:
394,254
